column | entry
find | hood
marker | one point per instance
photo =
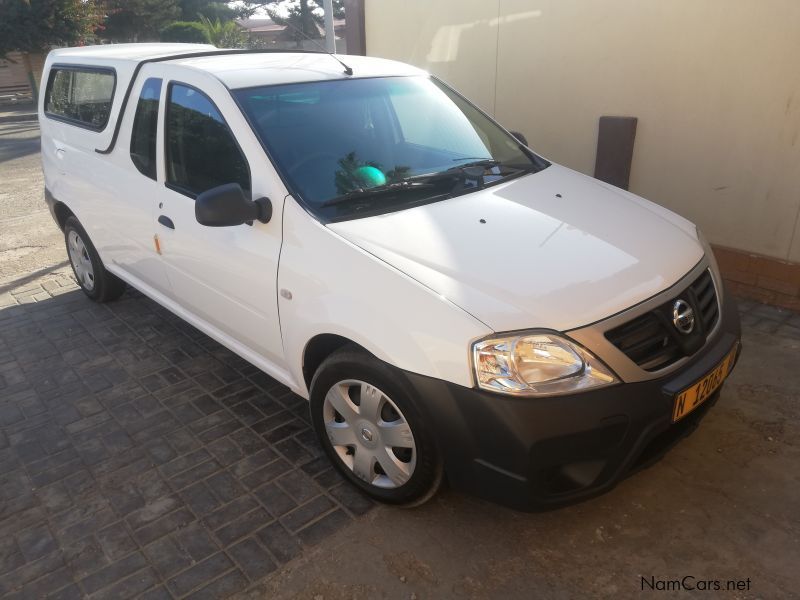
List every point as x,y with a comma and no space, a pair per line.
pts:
557,250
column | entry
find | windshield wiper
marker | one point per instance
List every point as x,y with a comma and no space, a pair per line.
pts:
475,170
415,182
484,163
380,190
468,169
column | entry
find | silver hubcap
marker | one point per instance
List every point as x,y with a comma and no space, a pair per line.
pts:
81,263
369,433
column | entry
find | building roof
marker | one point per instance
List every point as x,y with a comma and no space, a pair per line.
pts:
238,70
259,25
268,25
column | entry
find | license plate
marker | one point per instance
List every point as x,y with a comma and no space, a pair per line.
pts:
692,397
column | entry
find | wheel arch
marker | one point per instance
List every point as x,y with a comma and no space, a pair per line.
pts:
320,347
62,212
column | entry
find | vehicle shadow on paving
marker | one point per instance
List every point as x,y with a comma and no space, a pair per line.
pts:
21,281
12,147
136,453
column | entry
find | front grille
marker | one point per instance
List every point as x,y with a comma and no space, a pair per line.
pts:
646,341
706,295
653,342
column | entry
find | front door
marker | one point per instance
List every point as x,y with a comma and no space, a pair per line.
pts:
224,277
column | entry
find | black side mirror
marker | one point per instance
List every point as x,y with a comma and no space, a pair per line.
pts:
226,205
520,137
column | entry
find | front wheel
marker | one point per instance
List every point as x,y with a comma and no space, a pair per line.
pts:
368,425
95,281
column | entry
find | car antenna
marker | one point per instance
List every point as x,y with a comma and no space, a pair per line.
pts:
347,70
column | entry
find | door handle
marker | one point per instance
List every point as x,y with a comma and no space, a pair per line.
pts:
166,221
60,152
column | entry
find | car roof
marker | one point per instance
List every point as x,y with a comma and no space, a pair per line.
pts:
240,69
269,68
129,52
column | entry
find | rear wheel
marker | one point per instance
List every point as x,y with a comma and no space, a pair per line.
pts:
95,281
366,420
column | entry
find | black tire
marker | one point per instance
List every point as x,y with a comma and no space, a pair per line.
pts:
100,286
351,363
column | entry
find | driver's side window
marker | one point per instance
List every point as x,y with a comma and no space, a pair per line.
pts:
201,151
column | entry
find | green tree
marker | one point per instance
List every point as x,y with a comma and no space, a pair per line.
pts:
190,32
224,34
31,26
138,20
301,20
304,18
210,9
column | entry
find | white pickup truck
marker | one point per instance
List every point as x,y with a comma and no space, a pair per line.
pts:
451,304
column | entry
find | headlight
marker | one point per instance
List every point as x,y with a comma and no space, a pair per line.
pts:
537,364
712,261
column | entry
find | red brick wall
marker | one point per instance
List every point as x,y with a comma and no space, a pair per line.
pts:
760,278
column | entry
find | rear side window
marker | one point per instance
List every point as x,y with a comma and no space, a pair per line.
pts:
201,150
145,123
80,95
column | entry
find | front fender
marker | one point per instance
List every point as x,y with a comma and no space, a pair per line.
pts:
329,285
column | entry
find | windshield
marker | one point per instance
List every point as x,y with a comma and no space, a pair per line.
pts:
359,147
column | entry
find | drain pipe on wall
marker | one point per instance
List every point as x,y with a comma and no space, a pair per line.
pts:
615,138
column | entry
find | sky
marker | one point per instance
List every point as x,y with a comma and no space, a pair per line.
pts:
280,8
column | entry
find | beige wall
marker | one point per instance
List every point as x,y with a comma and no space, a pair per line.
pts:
715,85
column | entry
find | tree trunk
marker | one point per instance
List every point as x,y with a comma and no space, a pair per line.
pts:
306,20
26,58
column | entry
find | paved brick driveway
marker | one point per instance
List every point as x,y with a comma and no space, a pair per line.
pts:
138,456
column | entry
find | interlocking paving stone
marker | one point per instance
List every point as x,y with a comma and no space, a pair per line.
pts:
226,585
139,458
275,499
113,572
195,576
242,525
283,546
116,541
305,514
254,560
167,557
319,530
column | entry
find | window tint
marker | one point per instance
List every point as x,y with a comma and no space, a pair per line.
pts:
143,135
201,151
438,126
333,141
80,95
